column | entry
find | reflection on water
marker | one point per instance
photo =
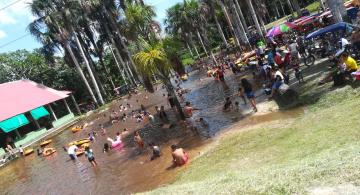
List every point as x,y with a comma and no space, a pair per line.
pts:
128,170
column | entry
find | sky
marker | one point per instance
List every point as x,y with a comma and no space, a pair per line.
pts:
15,16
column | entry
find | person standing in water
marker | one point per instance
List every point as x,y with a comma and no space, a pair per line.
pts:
248,90
228,104
156,151
180,157
138,140
90,156
188,110
72,152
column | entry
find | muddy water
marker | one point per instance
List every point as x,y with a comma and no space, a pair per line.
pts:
129,170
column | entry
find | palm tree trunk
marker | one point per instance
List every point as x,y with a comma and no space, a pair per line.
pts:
337,9
241,27
276,10
109,77
254,17
296,7
282,8
242,17
97,90
170,90
118,65
92,64
220,31
78,68
224,9
187,45
262,24
112,23
202,43
290,6
192,43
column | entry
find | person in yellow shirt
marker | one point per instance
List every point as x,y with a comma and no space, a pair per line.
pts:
350,63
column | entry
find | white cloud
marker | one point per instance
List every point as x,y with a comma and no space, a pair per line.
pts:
17,12
6,18
2,34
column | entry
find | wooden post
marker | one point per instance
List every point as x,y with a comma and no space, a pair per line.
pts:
76,105
67,106
17,133
52,112
37,124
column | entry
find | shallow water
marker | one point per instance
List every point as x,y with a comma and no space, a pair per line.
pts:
128,171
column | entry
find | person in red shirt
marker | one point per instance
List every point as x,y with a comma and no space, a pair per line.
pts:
277,59
220,74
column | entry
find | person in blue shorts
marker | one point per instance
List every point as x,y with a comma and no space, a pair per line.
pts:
248,91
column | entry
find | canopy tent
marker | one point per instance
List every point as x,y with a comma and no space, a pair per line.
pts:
331,28
23,96
37,113
13,123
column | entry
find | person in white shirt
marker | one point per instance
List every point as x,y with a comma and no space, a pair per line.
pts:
72,152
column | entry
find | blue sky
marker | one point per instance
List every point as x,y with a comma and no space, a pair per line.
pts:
14,21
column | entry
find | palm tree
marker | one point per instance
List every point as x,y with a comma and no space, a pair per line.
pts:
172,45
109,10
229,21
254,17
53,35
153,59
242,18
70,9
211,5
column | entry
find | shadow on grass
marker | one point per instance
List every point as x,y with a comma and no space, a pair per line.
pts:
310,92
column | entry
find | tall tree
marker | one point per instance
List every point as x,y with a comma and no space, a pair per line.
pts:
54,34
153,59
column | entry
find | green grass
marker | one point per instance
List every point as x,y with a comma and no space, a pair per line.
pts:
318,149
188,61
313,7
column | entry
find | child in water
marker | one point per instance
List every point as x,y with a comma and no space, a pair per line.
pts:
90,155
228,104
156,151
106,148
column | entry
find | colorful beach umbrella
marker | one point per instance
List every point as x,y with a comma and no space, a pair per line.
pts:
282,28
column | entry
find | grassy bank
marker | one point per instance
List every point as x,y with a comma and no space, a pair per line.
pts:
299,156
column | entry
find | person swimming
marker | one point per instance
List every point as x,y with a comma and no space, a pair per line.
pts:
117,142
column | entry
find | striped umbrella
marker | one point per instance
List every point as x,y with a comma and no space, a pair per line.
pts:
282,28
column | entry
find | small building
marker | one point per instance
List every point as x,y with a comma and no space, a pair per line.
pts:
26,111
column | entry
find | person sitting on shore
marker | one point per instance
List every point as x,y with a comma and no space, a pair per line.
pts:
180,157
279,80
349,62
